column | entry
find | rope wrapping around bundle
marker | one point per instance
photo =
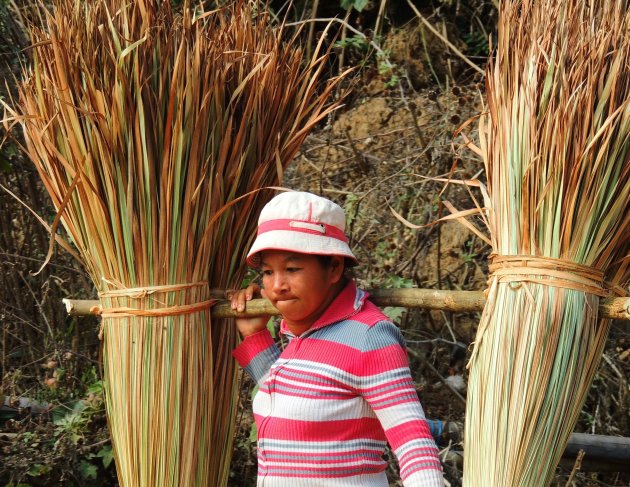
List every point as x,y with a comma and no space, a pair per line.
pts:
547,270
146,294
517,270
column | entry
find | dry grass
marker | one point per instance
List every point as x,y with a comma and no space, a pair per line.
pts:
555,145
153,132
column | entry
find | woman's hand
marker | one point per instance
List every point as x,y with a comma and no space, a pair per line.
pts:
238,301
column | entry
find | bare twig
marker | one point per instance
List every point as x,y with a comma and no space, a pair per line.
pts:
311,29
360,158
379,18
344,34
437,373
576,466
95,445
451,46
39,307
354,30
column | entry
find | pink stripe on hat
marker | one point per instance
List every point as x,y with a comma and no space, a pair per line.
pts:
304,227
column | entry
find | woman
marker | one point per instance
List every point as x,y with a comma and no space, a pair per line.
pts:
331,400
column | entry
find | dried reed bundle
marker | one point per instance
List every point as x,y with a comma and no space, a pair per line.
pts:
147,129
555,145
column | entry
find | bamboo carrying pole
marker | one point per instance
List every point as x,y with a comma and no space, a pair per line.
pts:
455,301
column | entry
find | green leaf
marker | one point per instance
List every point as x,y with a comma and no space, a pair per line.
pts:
349,207
38,469
58,414
5,166
394,313
107,454
96,388
356,4
87,470
253,433
271,327
397,282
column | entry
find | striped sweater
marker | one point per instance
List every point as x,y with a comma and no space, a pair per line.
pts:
333,398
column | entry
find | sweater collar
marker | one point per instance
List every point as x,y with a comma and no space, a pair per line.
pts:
347,303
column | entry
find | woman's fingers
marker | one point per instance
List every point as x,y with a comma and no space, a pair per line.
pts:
252,291
238,299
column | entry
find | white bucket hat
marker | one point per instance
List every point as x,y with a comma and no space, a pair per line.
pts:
304,223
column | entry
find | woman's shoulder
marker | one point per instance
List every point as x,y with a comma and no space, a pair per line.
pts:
370,314
371,328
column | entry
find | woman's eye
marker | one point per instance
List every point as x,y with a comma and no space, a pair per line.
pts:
293,269
266,273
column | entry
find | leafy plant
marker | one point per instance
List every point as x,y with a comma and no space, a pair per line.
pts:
107,455
358,5
357,42
387,70
87,470
477,43
38,470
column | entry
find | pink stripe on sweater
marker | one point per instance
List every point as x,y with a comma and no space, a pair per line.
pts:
330,473
340,430
383,359
326,457
411,430
402,383
325,352
309,378
251,346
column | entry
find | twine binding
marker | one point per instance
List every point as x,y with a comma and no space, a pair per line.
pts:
549,271
145,292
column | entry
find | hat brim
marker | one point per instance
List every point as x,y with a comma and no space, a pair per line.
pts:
291,241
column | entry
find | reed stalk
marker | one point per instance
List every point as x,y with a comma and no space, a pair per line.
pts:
555,144
154,132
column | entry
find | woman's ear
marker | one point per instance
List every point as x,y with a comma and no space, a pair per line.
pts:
337,266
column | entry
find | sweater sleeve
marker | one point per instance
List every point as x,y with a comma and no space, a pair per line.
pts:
387,386
256,354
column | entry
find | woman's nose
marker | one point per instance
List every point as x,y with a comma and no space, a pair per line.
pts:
279,283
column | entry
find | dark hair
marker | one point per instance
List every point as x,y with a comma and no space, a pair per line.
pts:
326,261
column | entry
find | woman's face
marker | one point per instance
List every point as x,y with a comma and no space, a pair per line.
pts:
300,285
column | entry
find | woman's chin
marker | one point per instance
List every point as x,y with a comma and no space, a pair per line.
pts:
288,311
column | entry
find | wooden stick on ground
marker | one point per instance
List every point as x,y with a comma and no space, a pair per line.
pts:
456,301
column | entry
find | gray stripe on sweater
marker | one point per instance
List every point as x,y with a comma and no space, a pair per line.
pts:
323,446
361,336
259,366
